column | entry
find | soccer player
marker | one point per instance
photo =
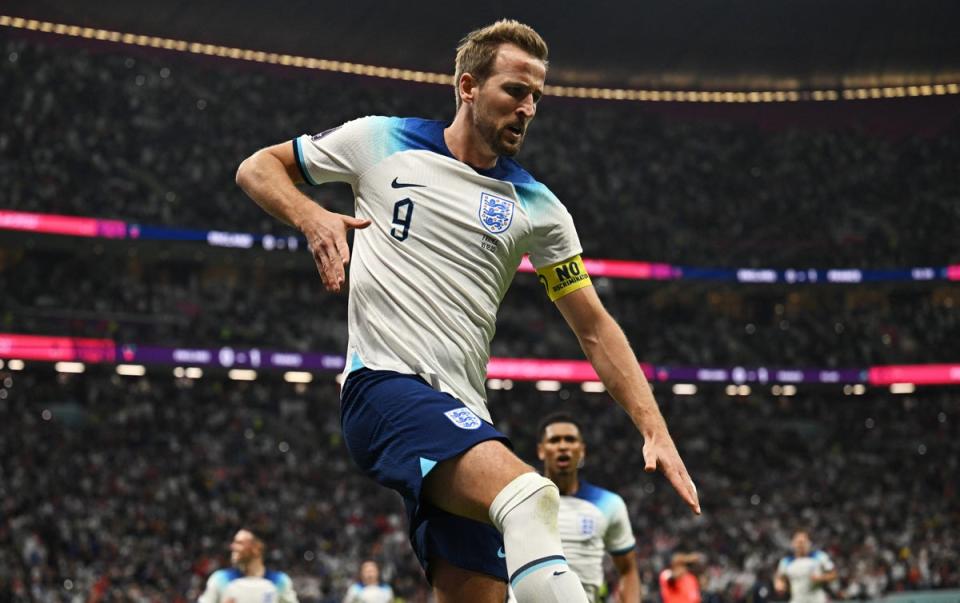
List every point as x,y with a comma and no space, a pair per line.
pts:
806,572
369,589
679,583
248,581
592,520
444,216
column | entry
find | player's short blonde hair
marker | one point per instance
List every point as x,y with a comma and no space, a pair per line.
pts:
478,49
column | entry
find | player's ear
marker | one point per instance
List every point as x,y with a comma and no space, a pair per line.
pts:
467,88
540,453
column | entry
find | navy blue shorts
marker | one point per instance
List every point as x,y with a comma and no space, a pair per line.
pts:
397,428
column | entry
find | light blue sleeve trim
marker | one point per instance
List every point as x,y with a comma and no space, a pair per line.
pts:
624,550
298,153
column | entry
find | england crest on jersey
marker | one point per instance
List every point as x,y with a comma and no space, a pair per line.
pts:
587,525
464,418
496,213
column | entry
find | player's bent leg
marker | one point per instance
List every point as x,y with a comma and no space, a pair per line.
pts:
452,584
466,485
489,483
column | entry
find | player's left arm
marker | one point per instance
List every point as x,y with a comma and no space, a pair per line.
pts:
626,565
827,573
607,348
285,590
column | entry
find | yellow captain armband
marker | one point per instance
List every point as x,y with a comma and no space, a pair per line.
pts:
564,277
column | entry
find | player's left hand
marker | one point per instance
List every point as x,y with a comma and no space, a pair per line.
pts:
659,452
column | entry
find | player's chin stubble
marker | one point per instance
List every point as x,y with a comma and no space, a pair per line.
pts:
494,136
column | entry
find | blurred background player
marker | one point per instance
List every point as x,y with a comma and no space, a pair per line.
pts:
592,520
369,589
806,572
248,581
679,582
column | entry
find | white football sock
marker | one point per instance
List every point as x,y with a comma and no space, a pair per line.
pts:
525,512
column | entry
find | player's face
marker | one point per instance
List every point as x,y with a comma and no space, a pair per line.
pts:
369,573
506,102
243,548
561,449
801,544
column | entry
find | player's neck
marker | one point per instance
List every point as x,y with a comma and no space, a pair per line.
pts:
255,568
466,144
567,483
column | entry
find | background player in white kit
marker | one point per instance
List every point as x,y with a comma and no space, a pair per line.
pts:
807,572
592,520
444,217
369,589
248,581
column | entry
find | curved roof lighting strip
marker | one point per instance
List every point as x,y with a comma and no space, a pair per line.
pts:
428,77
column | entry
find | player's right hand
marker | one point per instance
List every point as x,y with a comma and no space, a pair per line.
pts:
326,234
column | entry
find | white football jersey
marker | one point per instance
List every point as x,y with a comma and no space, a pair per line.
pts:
798,571
231,586
592,522
371,593
428,275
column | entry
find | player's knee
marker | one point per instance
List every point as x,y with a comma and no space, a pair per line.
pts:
529,498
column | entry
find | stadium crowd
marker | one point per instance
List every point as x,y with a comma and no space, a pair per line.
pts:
128,489
178,303
156,138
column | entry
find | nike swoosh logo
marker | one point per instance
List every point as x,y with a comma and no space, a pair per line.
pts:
501,554
396,184
559,573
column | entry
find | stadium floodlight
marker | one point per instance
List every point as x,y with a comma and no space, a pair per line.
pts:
902,388
548,385
193,372
731,390
593,387
494,383
789,390
131,370
507,384
743,390
69,367
178,372
776,390
242,374
297,377
684,389
859,389
339,378
15,364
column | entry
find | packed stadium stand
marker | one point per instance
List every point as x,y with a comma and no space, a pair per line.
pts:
120,488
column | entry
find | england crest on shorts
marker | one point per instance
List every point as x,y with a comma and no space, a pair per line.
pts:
464,418
496,213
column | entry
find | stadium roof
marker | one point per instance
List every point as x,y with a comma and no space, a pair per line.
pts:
665,44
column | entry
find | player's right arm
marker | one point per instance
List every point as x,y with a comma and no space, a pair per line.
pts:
211,594
353,594
780,577
269,177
